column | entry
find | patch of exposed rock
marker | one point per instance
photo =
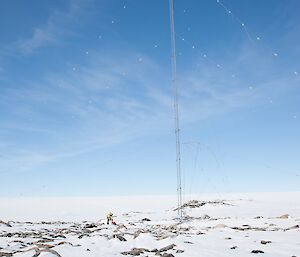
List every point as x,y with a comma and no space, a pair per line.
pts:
197,204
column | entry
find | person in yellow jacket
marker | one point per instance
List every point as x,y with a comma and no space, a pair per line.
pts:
109,217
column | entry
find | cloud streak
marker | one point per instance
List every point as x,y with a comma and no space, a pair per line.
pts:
53,32
114,98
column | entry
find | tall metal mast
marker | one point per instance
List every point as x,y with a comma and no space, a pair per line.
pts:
176,111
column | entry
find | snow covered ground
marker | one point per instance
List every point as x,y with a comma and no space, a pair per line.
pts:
265,224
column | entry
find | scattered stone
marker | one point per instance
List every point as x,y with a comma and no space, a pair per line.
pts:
42,241
57,236
5,223
5,254
240,228
137,233
167,255
179,251
263,242
44,246
120,226
257,251
228,238
146,219
248,227
258,217
88,249
220,226
233,247
166,248
285,216
135,251
292,227
188,242
93,225
205,217
68,243
121,238
39,251
161,237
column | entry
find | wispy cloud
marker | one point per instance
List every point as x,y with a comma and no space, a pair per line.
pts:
90,108
53,32
114,98
41,37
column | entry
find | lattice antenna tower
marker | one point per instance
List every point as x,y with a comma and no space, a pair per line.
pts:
176,111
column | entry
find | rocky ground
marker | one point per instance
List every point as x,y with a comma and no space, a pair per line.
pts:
160,234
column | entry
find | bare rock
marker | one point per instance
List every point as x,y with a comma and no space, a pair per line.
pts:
196,204
121,226
92,225
167,255
284,216
39,251
292,227
220,226
166,248
162,236
246,227
264,242
42,241
205,217
5,223
137,233
5,254
44,246
135,251
257,251
58,235
121,238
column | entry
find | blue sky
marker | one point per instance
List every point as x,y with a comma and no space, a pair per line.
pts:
86,97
